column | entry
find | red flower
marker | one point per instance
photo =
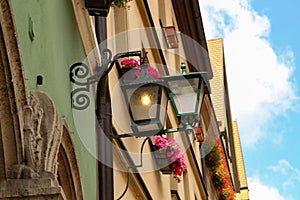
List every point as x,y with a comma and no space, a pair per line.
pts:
216,162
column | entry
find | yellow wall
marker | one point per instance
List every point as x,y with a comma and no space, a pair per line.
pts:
126,33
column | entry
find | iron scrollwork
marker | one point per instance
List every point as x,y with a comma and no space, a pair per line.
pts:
79,76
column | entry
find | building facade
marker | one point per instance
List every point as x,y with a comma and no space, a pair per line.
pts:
54,145
228,127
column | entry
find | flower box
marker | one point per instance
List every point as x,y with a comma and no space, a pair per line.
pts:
219,171
130,69
162,161
169,158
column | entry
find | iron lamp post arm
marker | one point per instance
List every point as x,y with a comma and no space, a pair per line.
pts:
134,167
79,76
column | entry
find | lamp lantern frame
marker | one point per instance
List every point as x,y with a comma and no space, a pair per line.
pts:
185,94
146,120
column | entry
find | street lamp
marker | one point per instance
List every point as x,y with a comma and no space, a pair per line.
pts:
145,96
185,94
147,102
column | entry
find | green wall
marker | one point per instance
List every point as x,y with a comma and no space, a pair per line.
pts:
56,45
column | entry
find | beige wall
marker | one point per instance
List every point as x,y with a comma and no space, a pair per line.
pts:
159,185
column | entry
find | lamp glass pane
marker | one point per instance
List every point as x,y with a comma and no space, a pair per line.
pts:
147,106
154,128
184,93
143,102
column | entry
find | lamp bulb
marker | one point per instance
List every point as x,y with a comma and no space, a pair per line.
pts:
146,100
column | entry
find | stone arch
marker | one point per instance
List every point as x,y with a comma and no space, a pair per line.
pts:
12,92
52,175
68,171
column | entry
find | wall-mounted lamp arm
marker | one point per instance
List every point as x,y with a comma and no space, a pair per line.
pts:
116,57
79,76
134,167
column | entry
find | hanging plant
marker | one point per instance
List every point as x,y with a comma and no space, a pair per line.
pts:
132,63
169,151
121,3
220,175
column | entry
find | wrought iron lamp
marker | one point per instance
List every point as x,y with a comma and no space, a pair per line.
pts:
145,96
147,102
186,96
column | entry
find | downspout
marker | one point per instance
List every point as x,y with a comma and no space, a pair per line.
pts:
104,117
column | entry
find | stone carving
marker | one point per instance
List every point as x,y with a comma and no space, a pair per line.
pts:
42,132
32,134
22,172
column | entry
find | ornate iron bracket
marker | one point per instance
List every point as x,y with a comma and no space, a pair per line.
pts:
79,76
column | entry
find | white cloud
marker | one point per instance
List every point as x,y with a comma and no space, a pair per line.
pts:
290,175
259,79
261,191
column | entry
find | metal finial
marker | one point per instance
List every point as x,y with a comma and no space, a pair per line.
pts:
183,68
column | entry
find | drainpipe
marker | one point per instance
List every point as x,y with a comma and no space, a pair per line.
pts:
104,117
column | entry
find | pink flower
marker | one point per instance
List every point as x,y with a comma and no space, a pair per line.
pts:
152,71
173,158
131,62
181,159
174,154
161,142
170,153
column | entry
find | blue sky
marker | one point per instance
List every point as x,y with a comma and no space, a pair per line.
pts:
262,52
